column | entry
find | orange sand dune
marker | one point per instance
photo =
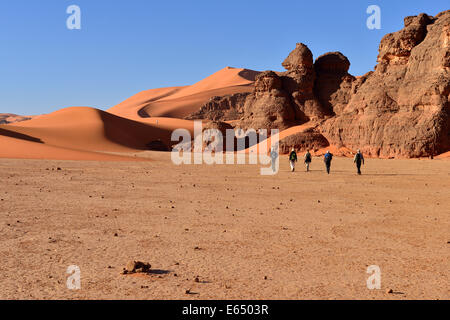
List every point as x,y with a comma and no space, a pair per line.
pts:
130,107
178,102
169,123
182,107
445,155
227,77
15,148
88,129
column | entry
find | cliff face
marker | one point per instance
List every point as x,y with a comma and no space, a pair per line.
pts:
401,109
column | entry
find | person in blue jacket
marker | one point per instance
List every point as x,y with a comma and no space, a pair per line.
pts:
327,159
358,160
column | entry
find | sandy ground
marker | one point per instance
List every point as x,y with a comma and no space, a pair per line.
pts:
290,236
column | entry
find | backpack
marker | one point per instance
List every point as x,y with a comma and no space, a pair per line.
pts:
308,157
328,157
358,157
293,156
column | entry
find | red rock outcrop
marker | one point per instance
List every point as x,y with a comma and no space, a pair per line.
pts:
402,108
222,108
298,81
208,142
333,85
287,98
269,107
302,141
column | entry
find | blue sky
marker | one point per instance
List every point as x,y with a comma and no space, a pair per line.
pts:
125,47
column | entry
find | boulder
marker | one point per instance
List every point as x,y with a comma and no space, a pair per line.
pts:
136,267
302,141
299,59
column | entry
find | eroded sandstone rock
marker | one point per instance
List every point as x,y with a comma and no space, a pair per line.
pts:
334,85
269,107
402,108
224,108
302,141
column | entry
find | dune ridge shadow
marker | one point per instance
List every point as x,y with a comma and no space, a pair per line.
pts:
134,134
159,271
17,135
248,74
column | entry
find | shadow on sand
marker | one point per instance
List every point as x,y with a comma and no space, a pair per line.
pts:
159,271
17,135
390,174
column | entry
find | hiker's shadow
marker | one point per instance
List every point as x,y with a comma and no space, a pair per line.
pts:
159,271
389,174
204,281
398,293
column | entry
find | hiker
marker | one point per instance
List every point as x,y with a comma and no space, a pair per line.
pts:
274,157
358,160
293,159
327,159
308,160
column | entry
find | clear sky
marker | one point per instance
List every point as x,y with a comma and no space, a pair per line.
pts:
125,47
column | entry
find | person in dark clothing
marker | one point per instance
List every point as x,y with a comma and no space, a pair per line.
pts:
327,159
359,159
307,160
293,159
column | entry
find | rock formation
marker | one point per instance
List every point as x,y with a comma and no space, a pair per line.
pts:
269,106
225,108
284,99
298,81
333,85
308,139
401,109
208,139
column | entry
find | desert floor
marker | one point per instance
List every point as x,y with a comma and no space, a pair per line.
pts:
245,236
